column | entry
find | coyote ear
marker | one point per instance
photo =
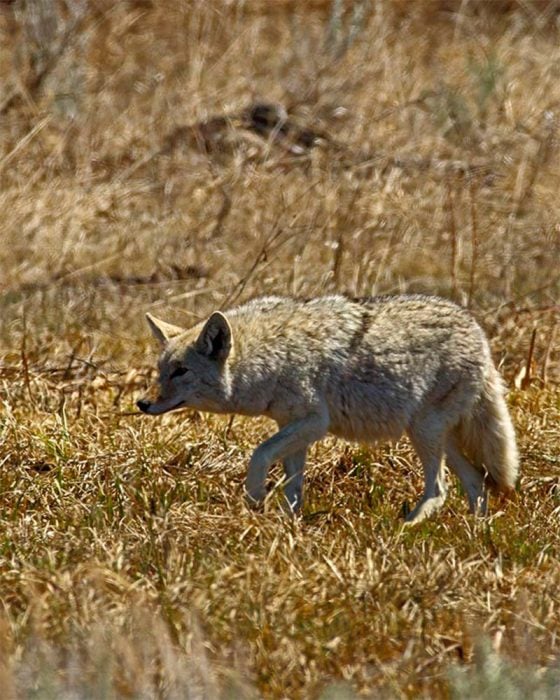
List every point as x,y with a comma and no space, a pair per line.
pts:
162,331
215,338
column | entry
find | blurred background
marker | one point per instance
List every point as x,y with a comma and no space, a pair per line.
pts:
182,156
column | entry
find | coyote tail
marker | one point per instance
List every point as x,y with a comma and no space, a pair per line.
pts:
488,437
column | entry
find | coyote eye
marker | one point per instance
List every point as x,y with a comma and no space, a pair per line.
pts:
178,372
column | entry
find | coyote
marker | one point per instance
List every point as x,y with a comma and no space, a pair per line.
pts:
365,370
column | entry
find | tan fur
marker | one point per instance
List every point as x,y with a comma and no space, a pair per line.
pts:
366,370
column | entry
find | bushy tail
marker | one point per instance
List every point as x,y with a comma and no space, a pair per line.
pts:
488,437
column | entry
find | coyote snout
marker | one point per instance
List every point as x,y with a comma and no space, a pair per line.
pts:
364,370
155,408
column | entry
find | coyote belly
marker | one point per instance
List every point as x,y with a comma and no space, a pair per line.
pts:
366,370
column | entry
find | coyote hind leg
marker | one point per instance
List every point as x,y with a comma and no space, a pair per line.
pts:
471,479
431,456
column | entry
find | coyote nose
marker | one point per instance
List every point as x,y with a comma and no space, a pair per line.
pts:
143,405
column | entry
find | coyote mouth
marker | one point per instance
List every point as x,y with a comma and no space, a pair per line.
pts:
159,411
177,405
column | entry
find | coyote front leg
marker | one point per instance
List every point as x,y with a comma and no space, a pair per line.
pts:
292,439
293,490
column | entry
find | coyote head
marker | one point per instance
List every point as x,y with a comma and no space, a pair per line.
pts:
192,366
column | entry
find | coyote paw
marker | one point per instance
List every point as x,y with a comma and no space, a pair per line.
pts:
479,505
291,508
255,499
424,509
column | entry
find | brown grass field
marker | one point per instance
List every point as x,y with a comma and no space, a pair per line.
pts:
419,151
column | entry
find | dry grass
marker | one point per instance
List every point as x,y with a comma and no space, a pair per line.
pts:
129,566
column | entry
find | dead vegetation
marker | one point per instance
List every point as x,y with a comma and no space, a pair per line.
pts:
180,157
